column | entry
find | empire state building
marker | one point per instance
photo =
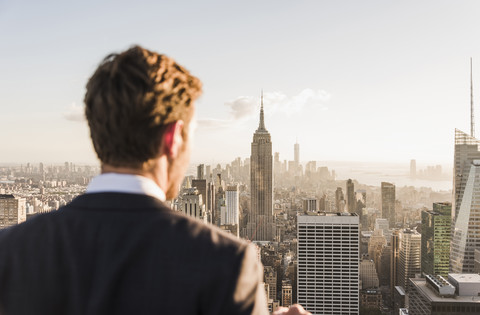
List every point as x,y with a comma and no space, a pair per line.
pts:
261,225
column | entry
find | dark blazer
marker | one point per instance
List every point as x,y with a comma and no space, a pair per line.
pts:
115,253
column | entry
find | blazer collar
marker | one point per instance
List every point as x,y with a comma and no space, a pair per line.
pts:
118,201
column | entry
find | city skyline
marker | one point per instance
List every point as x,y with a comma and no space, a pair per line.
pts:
351,86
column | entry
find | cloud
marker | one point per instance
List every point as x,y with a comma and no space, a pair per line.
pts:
278,102
289,105
74,113
242,106
244,109
213,123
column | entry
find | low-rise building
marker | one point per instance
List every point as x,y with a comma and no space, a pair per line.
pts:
436,295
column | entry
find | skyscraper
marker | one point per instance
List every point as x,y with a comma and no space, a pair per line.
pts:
466,232
328,263
339,200
351,200
466,150
192,204
270,278
310,204
368,274
296,155
286,293
413,168
201,171
261,226
12,210
277,167
465,217
409,256
210,201
201,185
395,244
230,217
388,203
436,232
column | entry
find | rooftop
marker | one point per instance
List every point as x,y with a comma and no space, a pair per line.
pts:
440,284
465,277
421,285
328,214
328,218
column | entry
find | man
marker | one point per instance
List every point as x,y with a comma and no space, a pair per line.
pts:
118,249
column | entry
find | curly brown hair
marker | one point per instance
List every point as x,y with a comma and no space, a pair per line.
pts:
131,98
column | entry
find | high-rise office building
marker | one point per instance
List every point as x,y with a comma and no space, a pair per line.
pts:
210,202
466,150
351,200
339,200
201,171
286,293
201,185
384,262
277,165
436,233
261,226
311,167
296,156
310,204
466,232
413,168
192,204
270,278
466,213
208,173
395,248
409,257
328,263
361,199
368,274
388,202
230,216
376,243
382,224
371,300
12,210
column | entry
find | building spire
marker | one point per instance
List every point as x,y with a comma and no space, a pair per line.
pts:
472,119
261,126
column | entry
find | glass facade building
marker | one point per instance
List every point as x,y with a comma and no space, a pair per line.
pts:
436,233
388,202
466,233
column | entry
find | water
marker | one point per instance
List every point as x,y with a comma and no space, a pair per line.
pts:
375,173
372,174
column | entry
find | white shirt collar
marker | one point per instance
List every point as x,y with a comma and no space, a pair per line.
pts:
125,183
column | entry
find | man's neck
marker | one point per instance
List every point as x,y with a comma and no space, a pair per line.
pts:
153,171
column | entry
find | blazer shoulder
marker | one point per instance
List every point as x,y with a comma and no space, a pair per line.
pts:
212,237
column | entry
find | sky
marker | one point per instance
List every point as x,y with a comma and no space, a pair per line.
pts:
372,81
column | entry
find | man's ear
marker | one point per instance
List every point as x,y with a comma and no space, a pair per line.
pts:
172,140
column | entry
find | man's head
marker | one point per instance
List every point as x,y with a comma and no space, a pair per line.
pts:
135,102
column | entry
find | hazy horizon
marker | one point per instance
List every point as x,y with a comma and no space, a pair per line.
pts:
366,173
